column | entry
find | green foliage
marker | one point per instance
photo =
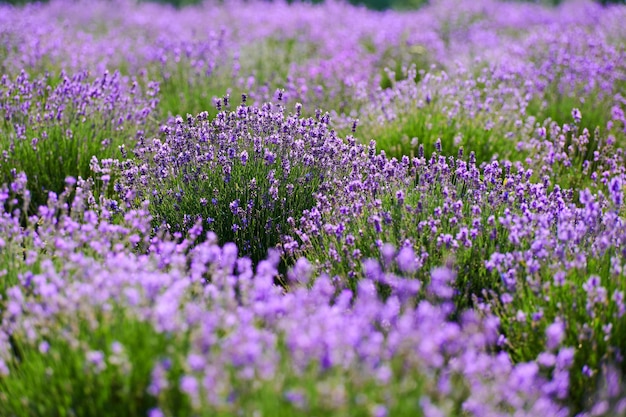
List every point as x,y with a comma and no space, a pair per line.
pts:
286,52
396,60
424,125
184,89
22,2
175,3
61,380
557,107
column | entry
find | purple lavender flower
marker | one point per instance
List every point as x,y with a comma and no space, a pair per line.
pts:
555,334
243,157
441,280
406,260
616,191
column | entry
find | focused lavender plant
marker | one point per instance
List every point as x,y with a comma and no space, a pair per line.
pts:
419,212
247,174
99,302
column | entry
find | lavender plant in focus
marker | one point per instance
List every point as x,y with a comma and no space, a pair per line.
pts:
247,174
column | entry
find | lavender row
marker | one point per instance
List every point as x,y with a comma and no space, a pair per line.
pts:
335,56
206,333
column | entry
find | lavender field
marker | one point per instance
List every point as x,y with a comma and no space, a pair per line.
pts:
271,210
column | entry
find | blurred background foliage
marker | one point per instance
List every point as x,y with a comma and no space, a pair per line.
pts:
371,4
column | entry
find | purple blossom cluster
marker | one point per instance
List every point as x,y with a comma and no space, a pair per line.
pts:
54,124
247,174
492,103
511,238
333,47
338,52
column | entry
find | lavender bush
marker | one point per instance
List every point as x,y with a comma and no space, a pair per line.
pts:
247,175
502,232
54,125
